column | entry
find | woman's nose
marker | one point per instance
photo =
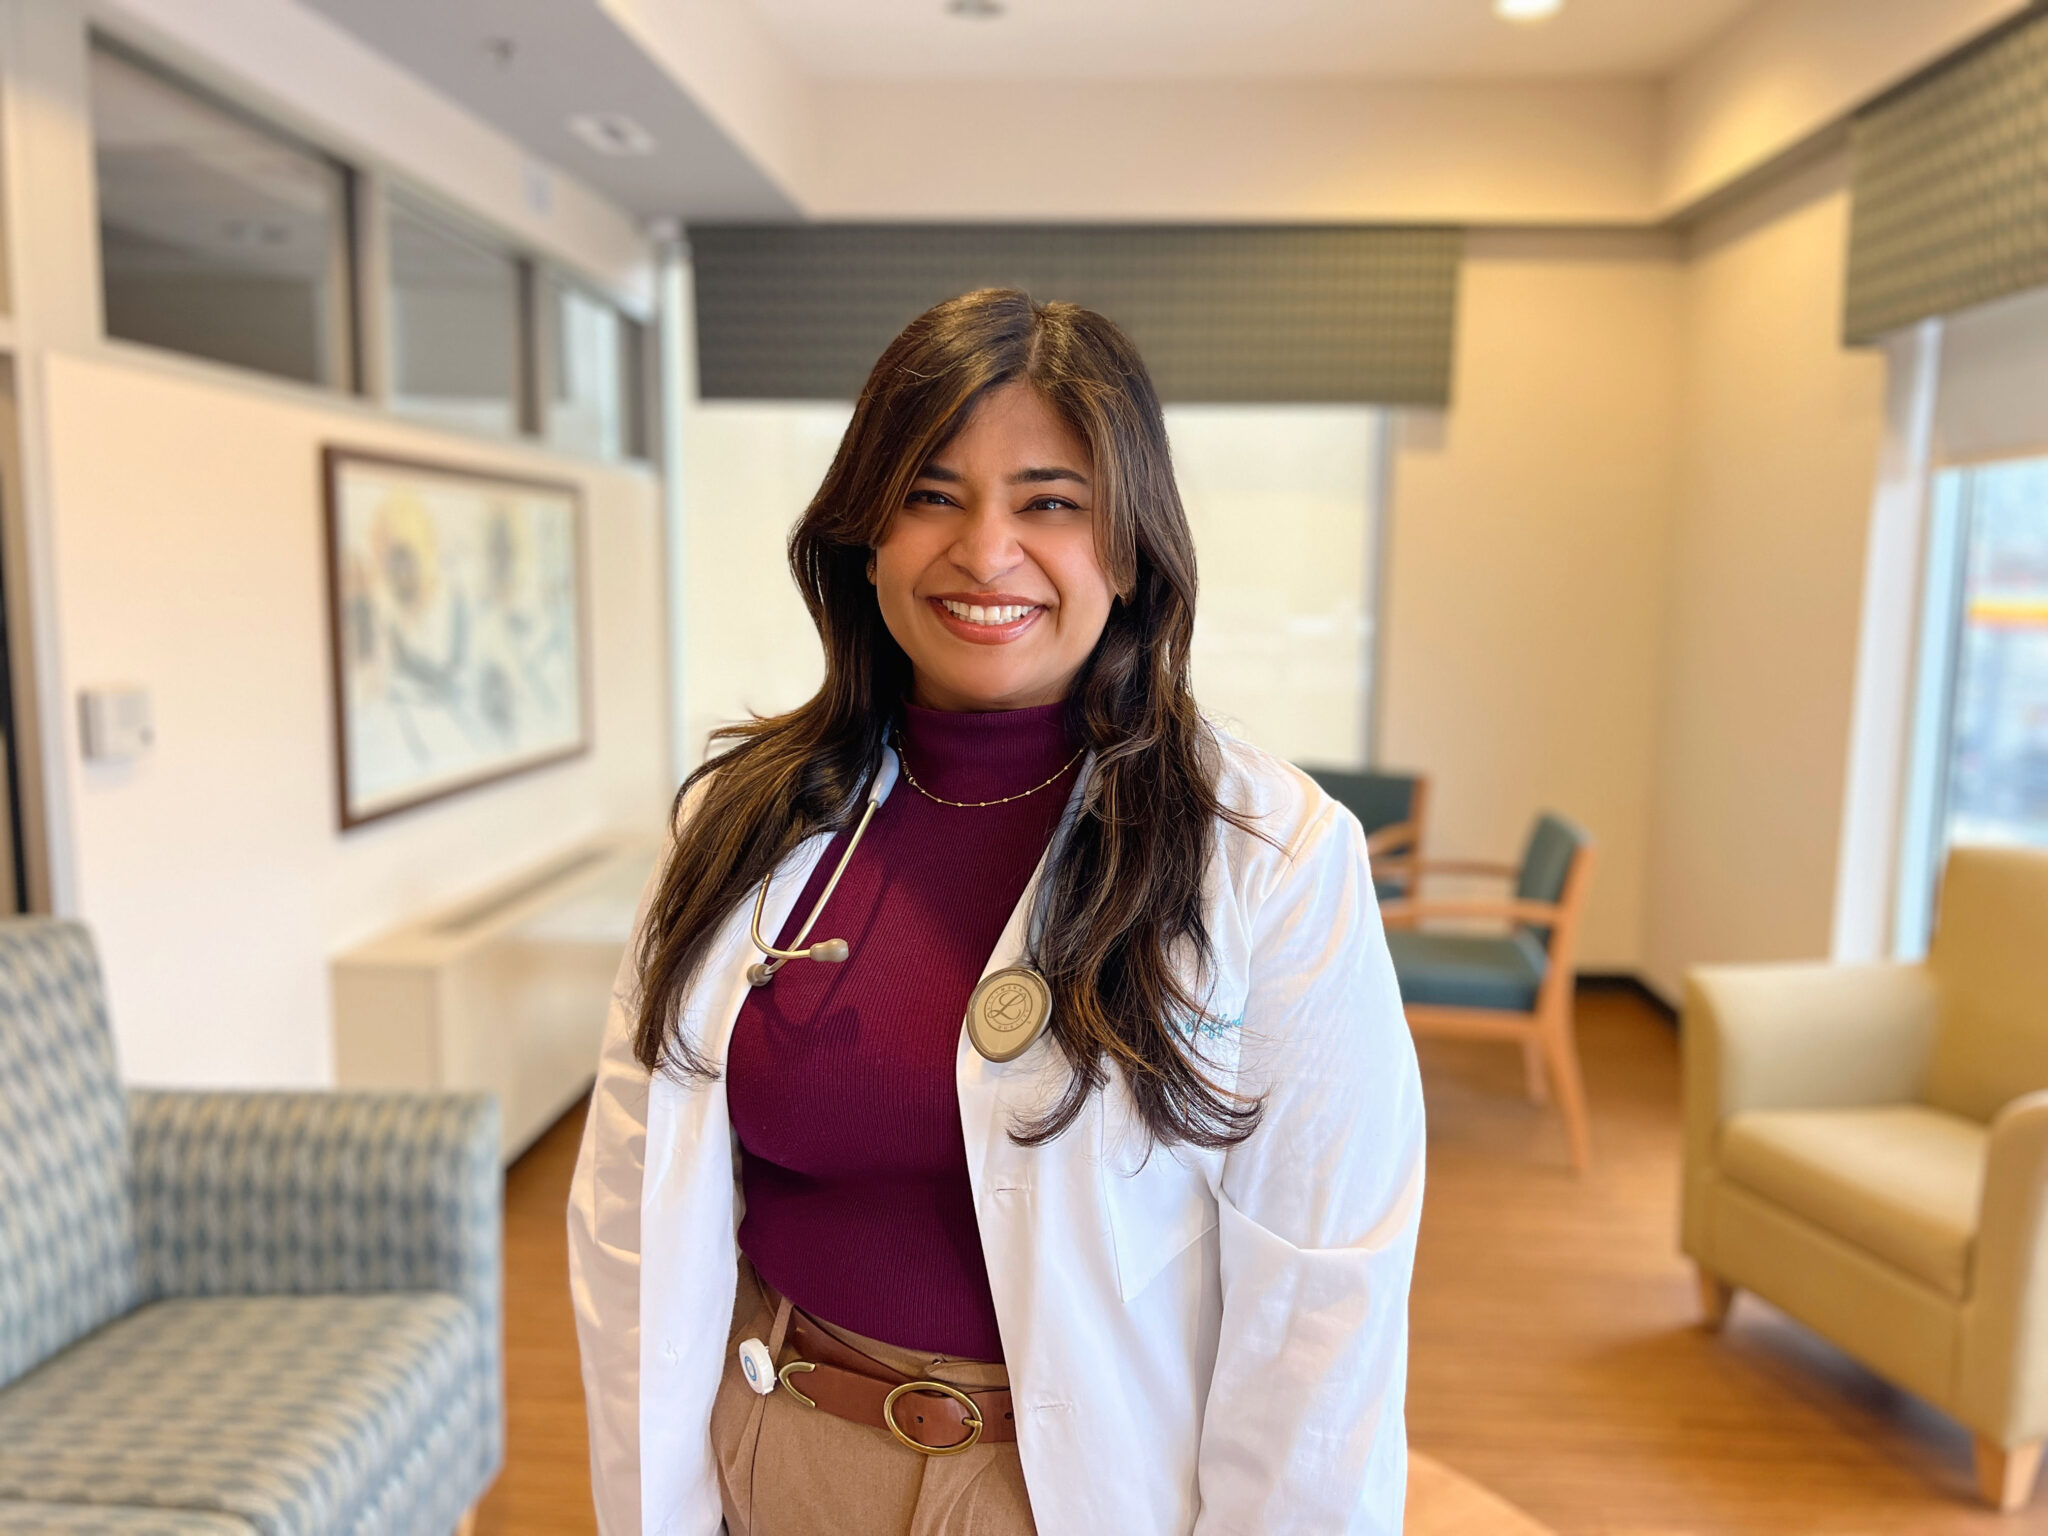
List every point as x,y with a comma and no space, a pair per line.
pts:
987,546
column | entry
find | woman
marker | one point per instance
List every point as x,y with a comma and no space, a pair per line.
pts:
1127,1252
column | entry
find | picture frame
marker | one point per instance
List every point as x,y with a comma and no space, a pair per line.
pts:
457,628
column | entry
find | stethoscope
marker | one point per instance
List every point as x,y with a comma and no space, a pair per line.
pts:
1007,1012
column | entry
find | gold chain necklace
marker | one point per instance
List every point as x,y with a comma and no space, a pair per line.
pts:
975,805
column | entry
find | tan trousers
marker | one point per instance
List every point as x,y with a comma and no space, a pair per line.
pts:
788,1470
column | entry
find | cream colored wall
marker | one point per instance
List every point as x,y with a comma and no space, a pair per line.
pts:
1526,560
187,557
1782,429
1491,152
1787,69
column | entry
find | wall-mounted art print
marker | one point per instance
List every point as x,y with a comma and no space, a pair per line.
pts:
456,599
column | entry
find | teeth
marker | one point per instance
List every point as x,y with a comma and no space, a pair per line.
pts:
975,613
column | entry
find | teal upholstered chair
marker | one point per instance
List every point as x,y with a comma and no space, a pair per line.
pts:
1512,985
270,1314
1390,807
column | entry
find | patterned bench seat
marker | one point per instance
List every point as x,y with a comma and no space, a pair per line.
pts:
261,1313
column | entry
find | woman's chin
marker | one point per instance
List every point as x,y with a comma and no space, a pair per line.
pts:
983,688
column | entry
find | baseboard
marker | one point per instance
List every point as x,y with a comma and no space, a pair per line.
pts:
1629,982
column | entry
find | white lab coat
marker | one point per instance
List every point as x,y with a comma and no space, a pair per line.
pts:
1198,1342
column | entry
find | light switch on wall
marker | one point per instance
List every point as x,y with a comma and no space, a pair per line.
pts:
114,724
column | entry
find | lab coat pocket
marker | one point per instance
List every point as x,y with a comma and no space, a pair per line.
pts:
1158,1200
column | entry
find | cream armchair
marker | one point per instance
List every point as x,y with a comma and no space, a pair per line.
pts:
1866,1147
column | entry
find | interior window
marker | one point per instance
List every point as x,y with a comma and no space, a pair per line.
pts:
219,236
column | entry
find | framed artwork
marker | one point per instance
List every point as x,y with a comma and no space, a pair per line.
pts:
455,599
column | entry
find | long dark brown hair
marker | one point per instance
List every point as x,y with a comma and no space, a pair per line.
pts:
1123,943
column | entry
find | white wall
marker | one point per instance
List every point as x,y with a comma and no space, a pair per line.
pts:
1493,152
1527,556
1777,468
188,558
1787,69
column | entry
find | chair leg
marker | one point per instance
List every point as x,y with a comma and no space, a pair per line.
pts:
1716,1296
1561,1053
2005,1473
1532,1071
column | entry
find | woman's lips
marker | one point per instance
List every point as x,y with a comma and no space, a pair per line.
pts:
984,634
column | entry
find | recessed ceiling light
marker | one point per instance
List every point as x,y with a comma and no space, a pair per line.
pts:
612,133
1527,10
983,10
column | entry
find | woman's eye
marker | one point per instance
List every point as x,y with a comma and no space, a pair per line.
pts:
1052,504
928,498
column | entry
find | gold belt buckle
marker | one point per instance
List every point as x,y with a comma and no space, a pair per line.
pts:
973,1417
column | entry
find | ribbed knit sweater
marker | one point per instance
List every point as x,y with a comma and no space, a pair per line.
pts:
841,1077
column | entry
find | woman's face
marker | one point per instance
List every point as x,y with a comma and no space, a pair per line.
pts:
987,575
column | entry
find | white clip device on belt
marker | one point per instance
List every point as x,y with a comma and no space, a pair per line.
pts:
757,1365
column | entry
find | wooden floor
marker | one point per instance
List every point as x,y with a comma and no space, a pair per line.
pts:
1555,1353
1555,1357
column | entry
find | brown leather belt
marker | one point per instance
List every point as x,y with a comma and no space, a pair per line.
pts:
928,1416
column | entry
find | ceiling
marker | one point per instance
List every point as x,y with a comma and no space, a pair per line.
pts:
528,66
1153,39
567,57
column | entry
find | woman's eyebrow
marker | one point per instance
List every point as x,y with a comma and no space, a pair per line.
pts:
1035,476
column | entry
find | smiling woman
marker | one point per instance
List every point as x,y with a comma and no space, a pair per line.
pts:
989,578
859,1246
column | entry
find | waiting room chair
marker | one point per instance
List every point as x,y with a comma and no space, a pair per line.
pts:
273,1314
1866,1147
1516,985
1390,806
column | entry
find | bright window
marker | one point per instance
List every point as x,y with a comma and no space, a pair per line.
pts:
1981,754
594,398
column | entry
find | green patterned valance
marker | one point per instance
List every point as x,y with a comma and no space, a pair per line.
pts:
1222,313
1951,187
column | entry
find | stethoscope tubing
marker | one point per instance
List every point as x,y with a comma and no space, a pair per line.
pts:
774,959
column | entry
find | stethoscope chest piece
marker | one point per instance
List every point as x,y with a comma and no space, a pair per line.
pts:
1007,1012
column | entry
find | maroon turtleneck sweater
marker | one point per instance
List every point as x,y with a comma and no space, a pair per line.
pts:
841,1077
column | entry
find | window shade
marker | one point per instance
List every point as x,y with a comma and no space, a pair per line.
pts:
1950,187
801,312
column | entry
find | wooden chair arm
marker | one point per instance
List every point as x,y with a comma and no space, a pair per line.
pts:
1408,912
1391,838
1467,867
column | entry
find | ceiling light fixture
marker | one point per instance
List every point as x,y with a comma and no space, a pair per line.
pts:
981,10
1527,10
612,133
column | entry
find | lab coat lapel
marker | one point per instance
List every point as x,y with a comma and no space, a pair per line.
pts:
991,1094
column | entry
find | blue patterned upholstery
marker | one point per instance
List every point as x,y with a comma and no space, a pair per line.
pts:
233,1312
67,1251
23,1519
1468,970
293,1412
238,1194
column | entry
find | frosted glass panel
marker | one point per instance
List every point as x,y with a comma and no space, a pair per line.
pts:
750,469
1280,499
